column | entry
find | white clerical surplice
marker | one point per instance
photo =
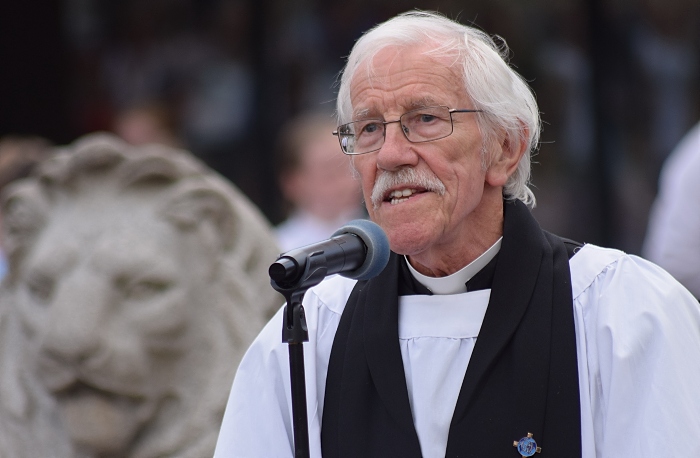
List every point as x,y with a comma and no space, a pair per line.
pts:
437,336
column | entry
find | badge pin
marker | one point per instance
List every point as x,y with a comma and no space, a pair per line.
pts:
527,446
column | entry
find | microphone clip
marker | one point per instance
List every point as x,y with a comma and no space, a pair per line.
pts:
295,329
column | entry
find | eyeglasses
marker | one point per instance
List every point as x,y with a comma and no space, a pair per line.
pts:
418,126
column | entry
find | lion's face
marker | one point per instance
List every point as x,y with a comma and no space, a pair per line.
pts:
106,296
138,277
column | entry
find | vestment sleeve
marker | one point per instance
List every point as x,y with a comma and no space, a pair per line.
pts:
258,418
257,421
639,333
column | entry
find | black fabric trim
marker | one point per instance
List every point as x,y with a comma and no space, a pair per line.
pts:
366,374
408,285
522,376
572,246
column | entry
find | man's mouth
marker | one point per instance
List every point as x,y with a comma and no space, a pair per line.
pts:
395,187
398,196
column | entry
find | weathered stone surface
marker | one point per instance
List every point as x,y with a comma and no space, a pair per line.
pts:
137,279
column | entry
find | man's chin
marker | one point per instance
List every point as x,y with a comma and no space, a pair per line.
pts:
99,423
409,238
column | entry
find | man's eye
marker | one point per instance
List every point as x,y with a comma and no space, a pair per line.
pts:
425,118
370,128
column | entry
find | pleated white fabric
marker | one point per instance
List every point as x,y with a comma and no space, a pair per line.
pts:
437,336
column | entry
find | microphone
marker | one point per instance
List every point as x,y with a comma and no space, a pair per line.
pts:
358,250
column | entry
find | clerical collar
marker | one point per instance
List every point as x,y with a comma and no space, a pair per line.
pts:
457,282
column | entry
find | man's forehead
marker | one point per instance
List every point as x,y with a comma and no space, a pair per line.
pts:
404,79
407,104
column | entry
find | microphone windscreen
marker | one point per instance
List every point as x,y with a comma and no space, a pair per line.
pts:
377,244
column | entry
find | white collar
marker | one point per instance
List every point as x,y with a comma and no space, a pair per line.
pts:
457,282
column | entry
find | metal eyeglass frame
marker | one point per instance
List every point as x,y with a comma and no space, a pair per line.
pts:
403,129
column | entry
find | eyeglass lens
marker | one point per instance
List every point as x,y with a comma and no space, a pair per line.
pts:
421,125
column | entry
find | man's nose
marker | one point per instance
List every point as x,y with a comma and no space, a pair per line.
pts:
402,131
397,151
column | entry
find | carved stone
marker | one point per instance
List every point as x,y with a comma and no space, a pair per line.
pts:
137,279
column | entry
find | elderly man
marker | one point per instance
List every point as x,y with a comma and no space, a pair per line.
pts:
484,336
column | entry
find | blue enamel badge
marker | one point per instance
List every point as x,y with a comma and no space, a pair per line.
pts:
527,446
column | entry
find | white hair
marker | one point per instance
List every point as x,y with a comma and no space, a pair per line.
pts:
507,101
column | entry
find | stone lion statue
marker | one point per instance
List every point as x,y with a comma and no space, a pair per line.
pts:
137,279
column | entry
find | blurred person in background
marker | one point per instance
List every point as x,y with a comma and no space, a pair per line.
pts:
673,233
316,180
147,122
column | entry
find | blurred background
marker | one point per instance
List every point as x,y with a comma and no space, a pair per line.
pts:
618,83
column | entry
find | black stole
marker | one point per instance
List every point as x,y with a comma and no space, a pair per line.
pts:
522,377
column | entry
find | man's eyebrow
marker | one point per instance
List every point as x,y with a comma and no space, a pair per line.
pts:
423,102
363,114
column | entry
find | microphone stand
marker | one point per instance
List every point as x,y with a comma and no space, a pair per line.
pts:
295,332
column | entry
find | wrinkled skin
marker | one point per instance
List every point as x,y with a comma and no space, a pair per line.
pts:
440,233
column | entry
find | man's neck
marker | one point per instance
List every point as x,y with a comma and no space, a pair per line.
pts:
481,230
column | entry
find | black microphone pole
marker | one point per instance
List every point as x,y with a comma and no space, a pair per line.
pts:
295,332
358,250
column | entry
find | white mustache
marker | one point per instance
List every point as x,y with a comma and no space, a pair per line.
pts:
405,178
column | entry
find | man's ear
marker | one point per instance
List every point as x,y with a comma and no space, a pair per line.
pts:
505,157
